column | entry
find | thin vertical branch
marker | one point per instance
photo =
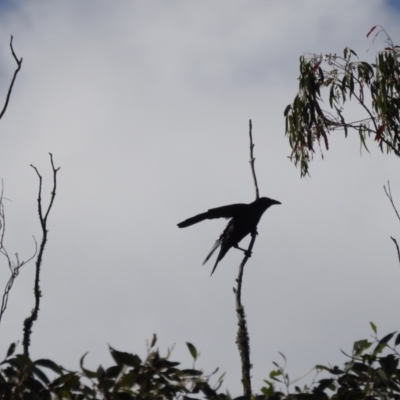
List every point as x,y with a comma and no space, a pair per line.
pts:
28,323
252,160
397,247
10,88
242,338
388,193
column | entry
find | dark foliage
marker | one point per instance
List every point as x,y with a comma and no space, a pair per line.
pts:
129,377
371,372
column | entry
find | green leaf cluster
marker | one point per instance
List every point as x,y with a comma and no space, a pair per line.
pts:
371,372
130,377
339,79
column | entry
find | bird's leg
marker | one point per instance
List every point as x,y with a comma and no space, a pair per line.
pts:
246,252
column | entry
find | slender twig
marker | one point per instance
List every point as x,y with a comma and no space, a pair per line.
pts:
28,323
252,160
397,247
238,290
19,63
14,267
242,338
368,111
388,193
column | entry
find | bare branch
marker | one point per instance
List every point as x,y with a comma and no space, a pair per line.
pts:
397,246
28,323
390,197
13,266
388,193
19,63
252,160
242,338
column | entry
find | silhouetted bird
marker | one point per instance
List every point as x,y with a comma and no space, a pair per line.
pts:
245,218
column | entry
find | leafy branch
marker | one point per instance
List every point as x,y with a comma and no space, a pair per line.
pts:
339,79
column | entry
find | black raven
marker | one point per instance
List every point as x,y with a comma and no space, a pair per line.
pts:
244,220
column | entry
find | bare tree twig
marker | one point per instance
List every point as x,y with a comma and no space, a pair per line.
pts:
397,246
13,266
252,160
242,338
390,197
19,63
388,193
28,323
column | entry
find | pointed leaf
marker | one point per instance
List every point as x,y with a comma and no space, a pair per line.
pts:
163,363
120,357
49,364
371,30
274,374
373,326
191,372
153,341
100,372
386,338
41,375
397,340
382,375
11,349
379,132
353,52
67,381
193,350
316,66
86,372
221,378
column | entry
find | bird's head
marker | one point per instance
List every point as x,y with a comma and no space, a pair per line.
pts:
266,202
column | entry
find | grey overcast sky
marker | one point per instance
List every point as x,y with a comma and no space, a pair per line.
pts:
145,107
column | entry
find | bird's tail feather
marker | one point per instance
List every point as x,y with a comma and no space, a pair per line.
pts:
215,265
215,247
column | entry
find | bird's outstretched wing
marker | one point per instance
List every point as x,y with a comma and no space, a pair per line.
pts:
219,212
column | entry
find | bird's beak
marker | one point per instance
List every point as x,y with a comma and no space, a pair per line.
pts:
275,202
